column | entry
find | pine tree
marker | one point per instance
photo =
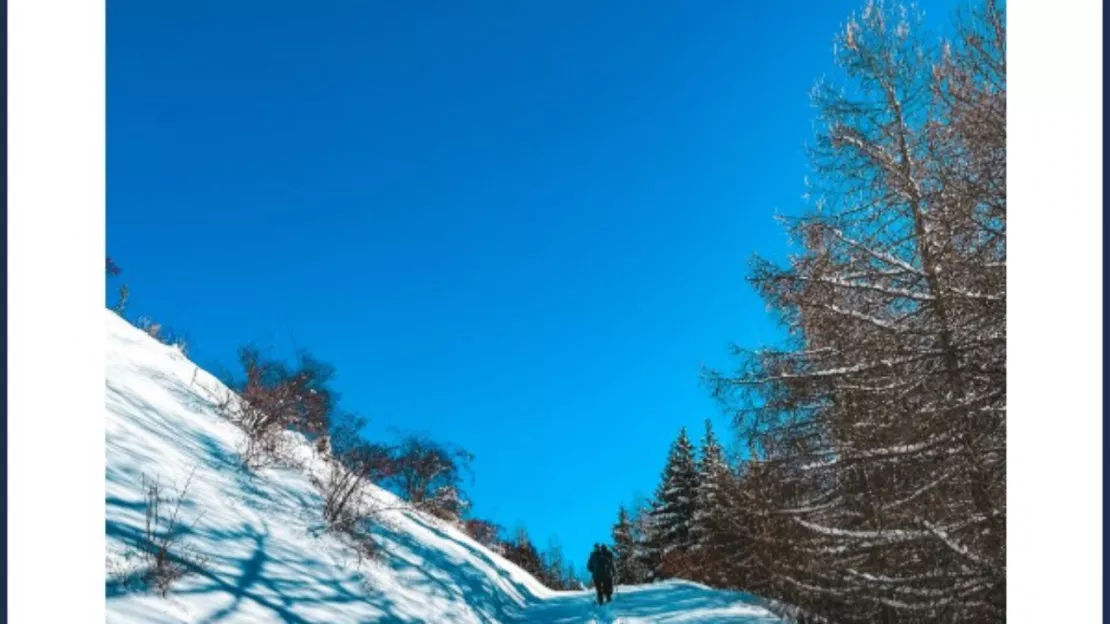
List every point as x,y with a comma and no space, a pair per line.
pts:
673,514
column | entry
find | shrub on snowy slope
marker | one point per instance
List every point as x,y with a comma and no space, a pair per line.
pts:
161,554
275,399
166,555
486,533
270,555
429,474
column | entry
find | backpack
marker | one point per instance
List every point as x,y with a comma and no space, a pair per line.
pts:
610,567
591,565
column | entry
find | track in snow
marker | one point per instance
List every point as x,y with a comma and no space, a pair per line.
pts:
671,602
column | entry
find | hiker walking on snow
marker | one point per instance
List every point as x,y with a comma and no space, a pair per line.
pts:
611,572
600,566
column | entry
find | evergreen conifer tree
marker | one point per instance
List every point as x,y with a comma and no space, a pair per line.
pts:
713,482
676,501
628,567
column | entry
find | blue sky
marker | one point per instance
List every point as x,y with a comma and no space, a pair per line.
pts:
521,227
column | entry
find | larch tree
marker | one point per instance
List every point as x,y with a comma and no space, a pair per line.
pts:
878,433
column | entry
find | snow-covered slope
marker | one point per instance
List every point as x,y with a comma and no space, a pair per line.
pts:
268,558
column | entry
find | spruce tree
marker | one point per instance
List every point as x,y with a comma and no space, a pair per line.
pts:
647,556
673,515
521,551
713,482
624,549
555,567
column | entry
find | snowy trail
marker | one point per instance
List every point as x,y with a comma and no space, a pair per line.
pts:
664,603
268,558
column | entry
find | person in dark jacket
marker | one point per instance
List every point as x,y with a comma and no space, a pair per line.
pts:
611,572
601,568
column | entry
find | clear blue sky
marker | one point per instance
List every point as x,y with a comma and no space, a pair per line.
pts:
521,227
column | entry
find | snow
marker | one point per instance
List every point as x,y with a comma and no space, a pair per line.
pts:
669,602
267,555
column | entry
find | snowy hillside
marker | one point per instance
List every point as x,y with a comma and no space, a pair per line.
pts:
266,556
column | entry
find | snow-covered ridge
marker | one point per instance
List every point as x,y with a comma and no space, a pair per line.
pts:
268,557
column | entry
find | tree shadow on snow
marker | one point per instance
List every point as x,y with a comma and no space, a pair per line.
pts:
440,574
248,568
